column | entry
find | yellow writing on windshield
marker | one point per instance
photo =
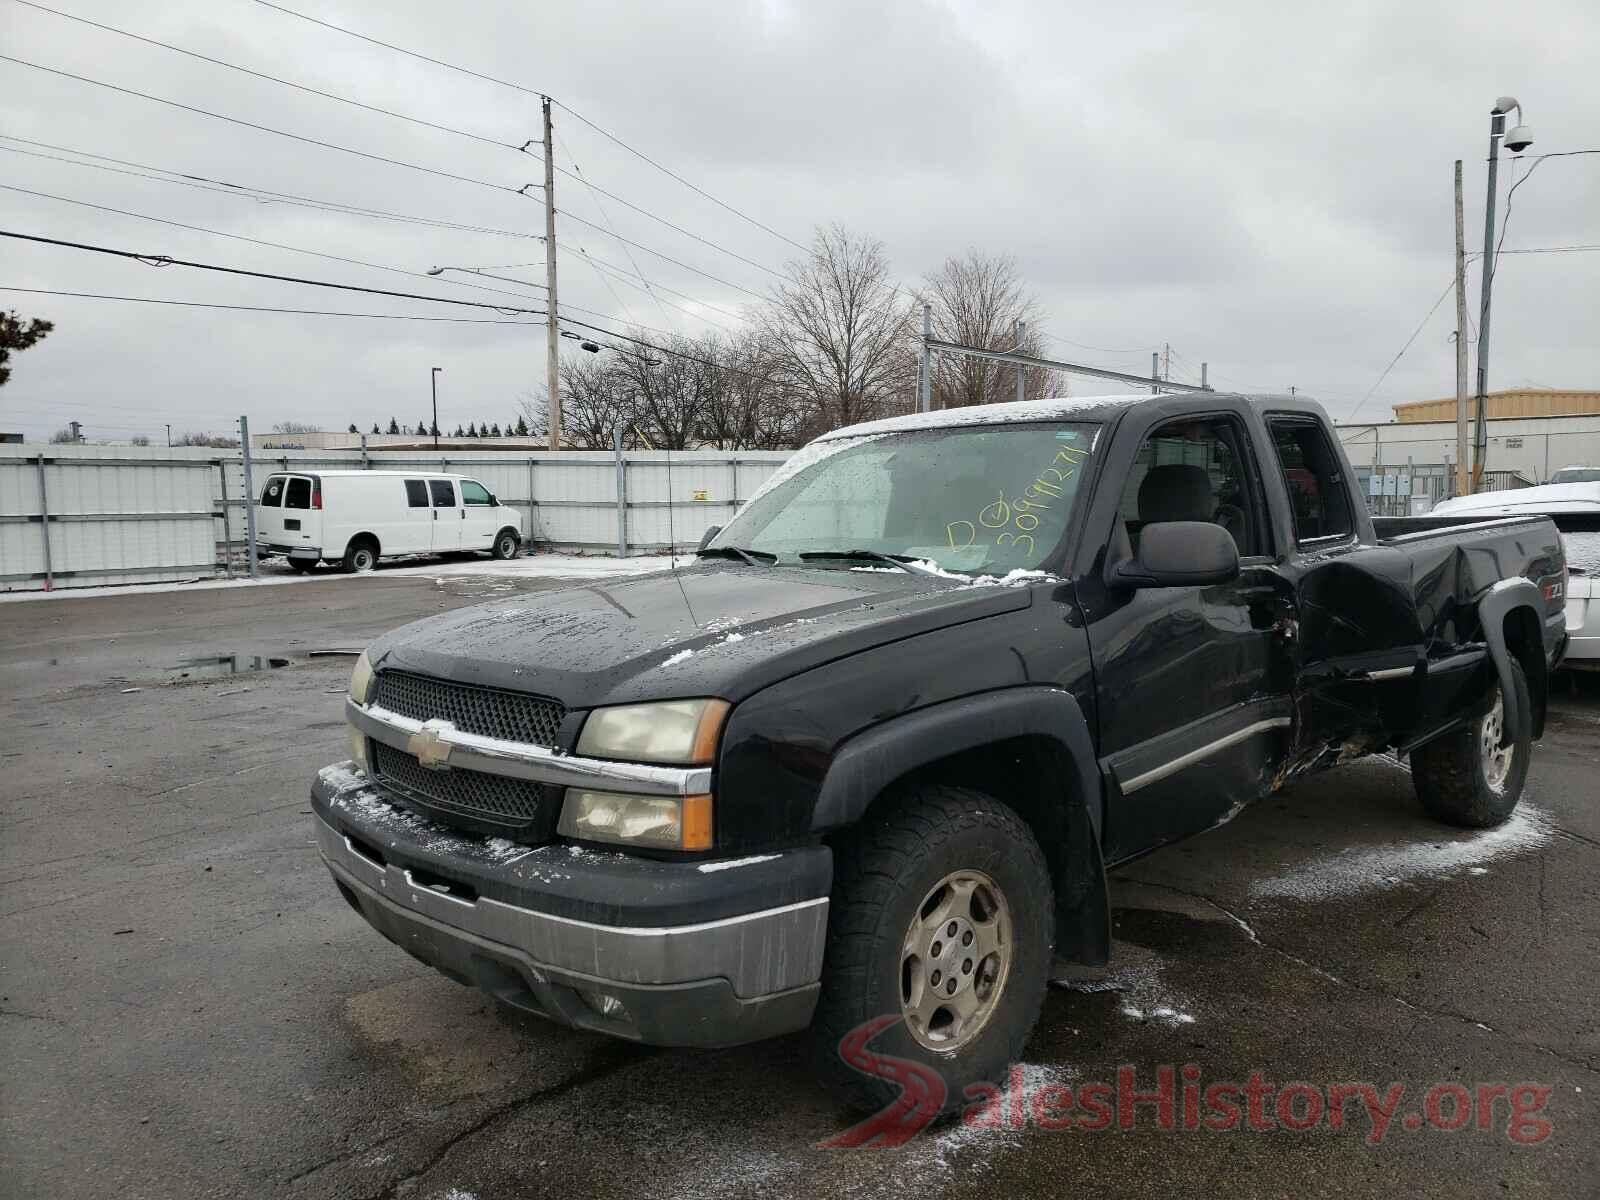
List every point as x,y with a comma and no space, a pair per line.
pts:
1017,518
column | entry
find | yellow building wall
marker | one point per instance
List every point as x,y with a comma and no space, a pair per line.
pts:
1509,404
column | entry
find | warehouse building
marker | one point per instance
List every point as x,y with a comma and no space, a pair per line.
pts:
1533,432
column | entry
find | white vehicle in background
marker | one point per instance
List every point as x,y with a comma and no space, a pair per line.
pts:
354,518
1576,475
1572,501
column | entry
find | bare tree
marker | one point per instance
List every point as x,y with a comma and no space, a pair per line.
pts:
62,437
977,300
843,332
298,427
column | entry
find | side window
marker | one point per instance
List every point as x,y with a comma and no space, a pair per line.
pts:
297,494
1194,470
272,493
1318,495
416,493
444,493
473,492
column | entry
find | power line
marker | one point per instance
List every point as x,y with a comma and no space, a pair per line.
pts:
245,191
162,260
269,78
411,166
309,312
658,254
238,237
449,66
1448,289
674,175
607,216
438,62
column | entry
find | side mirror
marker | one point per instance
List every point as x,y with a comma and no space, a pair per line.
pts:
1180,554
705,538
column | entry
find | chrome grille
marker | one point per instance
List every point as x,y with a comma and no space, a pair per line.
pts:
488,712
493,798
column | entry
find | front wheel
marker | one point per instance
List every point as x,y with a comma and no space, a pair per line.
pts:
940,932
505,545
1467,777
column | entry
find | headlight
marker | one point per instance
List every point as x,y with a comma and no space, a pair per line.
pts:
676,731
661,822
361,680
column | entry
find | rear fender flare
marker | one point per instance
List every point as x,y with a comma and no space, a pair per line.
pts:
1498,603
870,762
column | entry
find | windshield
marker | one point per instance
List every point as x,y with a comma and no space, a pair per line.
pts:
978,499
1576,475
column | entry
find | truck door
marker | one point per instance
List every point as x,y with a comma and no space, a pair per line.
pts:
269,511
481,517
447,520
1193,682
302,523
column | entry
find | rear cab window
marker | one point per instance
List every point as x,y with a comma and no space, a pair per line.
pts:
272,491
1319,498
416,493
444,493
473,492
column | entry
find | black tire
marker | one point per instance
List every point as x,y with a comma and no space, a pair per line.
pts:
1456,776
882,876
360,556
506,545
301,565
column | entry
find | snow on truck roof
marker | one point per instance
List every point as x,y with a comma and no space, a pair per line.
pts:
1059,408
344,473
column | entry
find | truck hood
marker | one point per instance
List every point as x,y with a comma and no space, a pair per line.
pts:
713,629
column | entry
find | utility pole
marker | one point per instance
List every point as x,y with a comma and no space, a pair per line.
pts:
249,496
1166,360
169,437
1022,371
1518,140
1155,372
925,390
552,341
1461,340
433,380
1204,367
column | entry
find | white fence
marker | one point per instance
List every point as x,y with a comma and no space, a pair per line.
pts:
81,516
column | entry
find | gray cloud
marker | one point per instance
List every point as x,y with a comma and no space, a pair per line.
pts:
1265,186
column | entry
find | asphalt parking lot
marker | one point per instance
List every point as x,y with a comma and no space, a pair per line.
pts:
187,1007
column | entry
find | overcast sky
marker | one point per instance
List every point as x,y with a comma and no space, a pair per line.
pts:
1266,186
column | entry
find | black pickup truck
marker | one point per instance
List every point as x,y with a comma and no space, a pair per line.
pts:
871,755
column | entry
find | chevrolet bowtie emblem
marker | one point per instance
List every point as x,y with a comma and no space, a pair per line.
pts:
429,746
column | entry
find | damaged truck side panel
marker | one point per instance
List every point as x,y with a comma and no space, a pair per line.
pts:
906,761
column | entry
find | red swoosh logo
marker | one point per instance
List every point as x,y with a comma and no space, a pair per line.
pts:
922,1092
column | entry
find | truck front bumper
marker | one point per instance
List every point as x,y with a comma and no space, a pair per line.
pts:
656,952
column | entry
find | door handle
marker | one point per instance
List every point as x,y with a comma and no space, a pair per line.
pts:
436,514
463,514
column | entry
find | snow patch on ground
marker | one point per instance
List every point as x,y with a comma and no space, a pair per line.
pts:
939,1152
679,657
1361,869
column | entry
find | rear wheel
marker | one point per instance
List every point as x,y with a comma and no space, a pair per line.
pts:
506,544
940,928
1467,777
359,557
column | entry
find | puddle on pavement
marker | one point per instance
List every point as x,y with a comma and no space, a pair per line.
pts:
221,666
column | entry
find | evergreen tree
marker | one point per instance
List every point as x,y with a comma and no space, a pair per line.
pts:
353,428
458,432
394,426
495,432
522,426
374,427
472,430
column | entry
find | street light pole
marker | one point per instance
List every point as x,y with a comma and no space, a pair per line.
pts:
1518,140
433,379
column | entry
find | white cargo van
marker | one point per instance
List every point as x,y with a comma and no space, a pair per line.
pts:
353,518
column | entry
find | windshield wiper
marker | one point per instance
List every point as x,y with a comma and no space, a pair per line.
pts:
756,558
904,562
